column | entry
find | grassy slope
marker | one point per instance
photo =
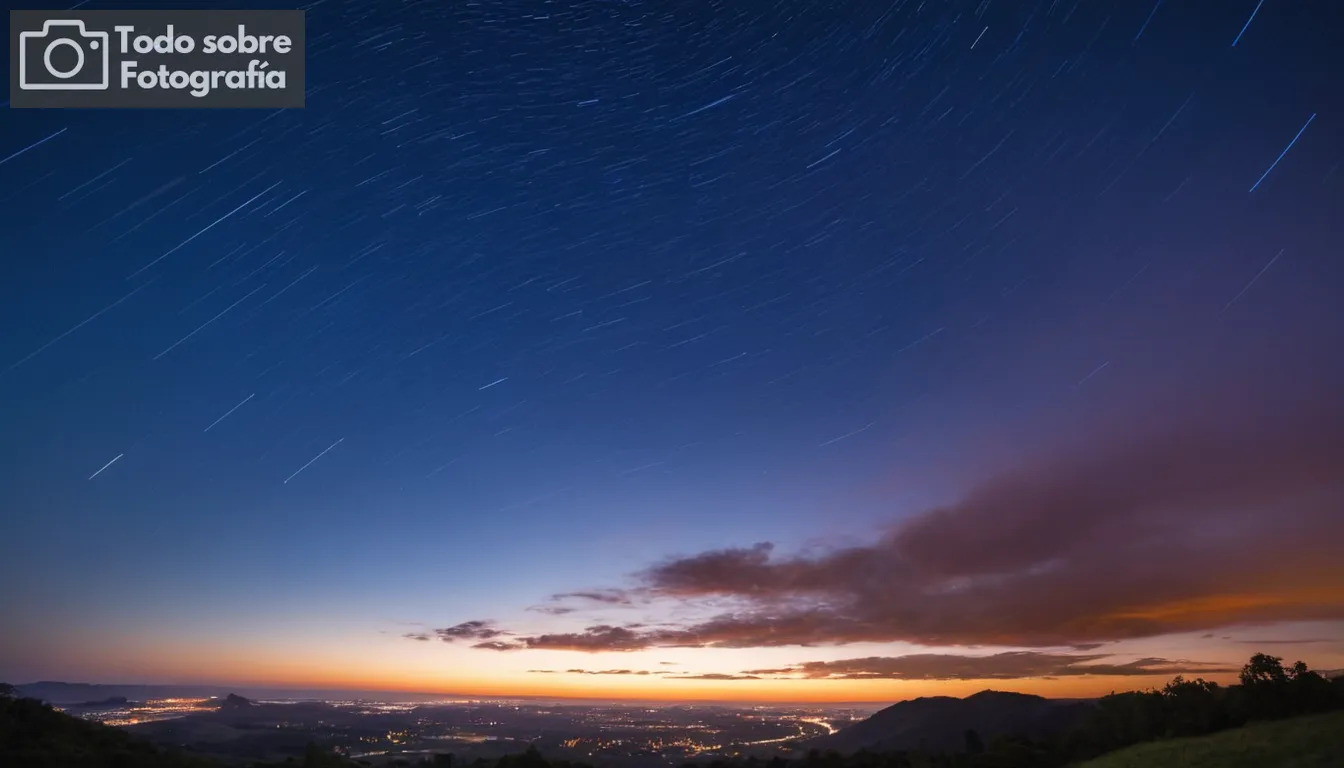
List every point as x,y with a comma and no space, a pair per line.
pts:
1303,742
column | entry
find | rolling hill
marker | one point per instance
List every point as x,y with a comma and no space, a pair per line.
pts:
1314,741
941,722
33,735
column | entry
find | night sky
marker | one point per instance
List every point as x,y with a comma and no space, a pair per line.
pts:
821,344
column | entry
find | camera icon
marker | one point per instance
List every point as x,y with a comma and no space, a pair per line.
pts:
64,56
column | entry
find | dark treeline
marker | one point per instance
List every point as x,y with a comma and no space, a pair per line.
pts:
33,735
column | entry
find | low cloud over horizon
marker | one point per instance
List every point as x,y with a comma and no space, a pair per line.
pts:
1012,665
1191,518
1000,666
637,672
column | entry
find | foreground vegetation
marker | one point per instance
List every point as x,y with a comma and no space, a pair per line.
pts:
33,735
1313,741
1277,717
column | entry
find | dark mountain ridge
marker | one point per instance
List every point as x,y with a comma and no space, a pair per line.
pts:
942,722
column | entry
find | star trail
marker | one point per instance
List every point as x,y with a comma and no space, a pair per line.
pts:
670,330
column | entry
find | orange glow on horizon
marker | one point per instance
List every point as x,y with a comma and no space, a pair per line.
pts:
315,659
616,688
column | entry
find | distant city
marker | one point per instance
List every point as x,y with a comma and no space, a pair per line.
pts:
234,728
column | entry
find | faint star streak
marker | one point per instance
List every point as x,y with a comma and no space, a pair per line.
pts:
105,466
231,410
73,328
207,322
1262,271
207,228
1148,21
1284,152
34,145
1247,25
847,435
310,461
1094,372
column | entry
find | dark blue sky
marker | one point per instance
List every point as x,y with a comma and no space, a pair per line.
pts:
532,295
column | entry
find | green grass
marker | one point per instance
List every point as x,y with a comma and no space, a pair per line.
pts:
1302,742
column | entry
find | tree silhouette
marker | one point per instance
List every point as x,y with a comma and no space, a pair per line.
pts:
1192,707
1264,669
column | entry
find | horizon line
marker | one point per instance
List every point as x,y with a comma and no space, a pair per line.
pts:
228,688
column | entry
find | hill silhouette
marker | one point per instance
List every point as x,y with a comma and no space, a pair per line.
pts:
234,701
939,723
33,735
